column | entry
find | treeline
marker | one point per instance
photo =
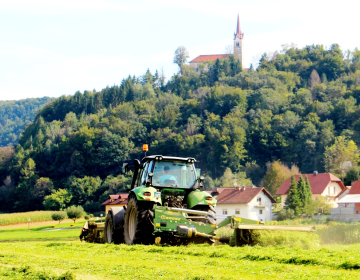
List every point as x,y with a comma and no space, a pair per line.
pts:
300,107
15,115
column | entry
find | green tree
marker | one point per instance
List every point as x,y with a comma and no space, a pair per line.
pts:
181,56
308,204
293,201
337,156
57,200
352,175
276,174
75,212
59,216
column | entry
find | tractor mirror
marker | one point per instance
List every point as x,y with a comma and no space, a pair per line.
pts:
149,180
202,178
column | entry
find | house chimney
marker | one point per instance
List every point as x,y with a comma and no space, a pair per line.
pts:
315,173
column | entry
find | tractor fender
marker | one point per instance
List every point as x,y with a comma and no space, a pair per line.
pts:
118,214
198,197
151,196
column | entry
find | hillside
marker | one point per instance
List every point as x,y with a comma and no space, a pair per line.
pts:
293,108
15,115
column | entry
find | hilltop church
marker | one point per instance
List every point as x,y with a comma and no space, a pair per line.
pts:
238,48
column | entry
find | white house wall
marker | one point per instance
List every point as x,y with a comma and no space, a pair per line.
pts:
250,210
255,206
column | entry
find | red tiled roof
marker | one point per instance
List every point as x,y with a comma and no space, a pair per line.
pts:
355,188
212,57
239,196
116,199
318,182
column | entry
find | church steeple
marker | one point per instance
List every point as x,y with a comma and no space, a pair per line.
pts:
238,33
238,41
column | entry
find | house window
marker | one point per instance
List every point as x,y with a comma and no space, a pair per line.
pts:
260,211
259,200
225,212
237,44
237,211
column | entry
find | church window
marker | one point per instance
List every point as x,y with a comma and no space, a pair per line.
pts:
237,44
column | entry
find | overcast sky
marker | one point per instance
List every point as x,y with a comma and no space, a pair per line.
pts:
54,48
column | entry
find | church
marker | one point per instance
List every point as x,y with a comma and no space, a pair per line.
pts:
238,48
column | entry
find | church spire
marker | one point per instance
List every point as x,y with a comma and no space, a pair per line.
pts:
238,29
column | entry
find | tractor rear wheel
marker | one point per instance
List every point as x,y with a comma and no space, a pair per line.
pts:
139,226
111,234
108,232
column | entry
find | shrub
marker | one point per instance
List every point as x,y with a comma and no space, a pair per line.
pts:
75,212
59,216
87,217
286,214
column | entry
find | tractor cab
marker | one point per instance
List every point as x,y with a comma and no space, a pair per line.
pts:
170,181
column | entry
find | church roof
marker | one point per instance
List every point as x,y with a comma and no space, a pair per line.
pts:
212,57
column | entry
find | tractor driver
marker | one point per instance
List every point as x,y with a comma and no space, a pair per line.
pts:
167,176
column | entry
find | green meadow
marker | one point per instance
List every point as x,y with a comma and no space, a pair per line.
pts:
40,254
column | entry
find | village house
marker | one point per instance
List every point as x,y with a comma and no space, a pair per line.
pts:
200,60
247,202
322,184
349,201
115,200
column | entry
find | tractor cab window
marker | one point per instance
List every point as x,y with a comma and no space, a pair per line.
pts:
177,174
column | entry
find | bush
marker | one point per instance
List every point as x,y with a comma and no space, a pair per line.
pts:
75,212
286,214
87,217
59,216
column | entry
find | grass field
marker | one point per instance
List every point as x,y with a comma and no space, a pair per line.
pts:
59,255
17,218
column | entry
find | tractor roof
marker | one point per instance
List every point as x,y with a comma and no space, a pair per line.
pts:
148,158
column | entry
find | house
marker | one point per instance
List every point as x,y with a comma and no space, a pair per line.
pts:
351,200
322,184
237,51
120,199
247,202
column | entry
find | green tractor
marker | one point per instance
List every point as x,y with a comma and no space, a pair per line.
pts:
166,185
167,205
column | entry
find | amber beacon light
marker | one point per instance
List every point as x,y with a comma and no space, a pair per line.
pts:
145,148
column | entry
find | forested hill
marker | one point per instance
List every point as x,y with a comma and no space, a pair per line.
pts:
301,106
15,115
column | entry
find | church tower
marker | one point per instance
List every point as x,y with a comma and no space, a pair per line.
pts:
238,42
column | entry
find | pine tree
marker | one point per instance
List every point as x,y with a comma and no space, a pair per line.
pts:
293,201
301,191
308,201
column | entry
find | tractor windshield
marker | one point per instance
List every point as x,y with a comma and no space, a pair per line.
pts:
177,174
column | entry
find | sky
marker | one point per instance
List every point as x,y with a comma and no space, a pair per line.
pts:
55,48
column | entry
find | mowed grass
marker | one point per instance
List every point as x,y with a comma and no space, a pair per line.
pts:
59,255
18,218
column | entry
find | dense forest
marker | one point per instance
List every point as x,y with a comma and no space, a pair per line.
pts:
15,115
300,107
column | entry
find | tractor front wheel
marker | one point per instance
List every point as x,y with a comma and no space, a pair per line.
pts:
139,226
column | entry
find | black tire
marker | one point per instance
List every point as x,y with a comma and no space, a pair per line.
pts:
111,234
138,225
109,229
